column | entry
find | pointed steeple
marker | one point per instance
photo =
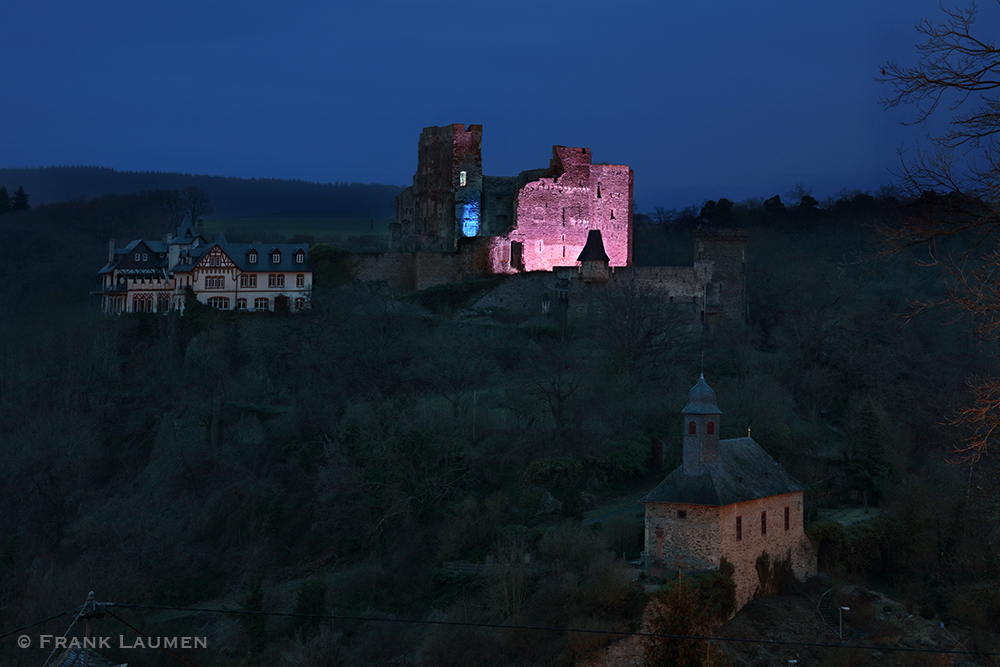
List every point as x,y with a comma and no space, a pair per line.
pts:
701,429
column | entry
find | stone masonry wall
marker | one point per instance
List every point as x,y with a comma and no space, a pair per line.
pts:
778,542
554,214
692,540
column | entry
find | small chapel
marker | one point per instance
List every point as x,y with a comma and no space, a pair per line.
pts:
728,499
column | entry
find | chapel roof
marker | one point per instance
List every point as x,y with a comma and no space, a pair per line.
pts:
744,472
701,399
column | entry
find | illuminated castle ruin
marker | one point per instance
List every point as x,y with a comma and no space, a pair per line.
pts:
531,222
456,224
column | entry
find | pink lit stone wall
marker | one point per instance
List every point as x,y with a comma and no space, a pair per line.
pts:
554,214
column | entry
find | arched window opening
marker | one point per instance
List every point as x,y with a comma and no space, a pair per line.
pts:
711,428
692,428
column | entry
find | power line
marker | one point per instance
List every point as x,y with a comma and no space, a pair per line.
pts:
46,620
541,628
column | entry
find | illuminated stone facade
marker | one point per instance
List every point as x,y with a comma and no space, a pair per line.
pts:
728,499
531,222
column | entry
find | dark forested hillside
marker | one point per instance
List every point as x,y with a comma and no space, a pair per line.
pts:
231,197
371,457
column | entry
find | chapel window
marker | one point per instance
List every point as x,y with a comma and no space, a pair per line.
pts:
739,528
711,428
692,428
763,523
787,519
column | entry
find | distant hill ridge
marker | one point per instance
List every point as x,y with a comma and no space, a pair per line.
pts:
231,197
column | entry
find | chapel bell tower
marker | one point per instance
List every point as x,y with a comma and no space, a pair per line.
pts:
701,429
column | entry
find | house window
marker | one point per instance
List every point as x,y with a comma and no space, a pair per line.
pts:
241,304
763,523
739,528
300,257
692,428
215,282
276,280
300,280
461,179
276,258
214,260
300,303
787,519
220,302
260,304
138,257
145,257
248,280
252,258
682,514
710,429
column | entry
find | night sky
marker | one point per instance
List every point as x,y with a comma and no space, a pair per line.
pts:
703,99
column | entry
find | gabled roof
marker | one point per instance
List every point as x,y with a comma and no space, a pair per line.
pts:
744,472
238,254
186,234
594,248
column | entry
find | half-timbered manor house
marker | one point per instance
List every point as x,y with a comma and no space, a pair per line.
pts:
155,276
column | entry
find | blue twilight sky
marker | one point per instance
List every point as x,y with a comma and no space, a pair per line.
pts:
703,98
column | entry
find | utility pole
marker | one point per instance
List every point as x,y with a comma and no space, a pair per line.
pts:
90,611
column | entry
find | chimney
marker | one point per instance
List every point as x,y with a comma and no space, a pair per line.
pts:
111,251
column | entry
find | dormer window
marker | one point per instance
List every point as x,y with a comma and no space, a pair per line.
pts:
138,257
276,257
300,257
252,258
145,257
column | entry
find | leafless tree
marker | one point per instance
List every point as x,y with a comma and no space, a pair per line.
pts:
954,187
196,204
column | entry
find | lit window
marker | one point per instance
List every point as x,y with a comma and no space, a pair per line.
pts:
461,179
252,258
300,280
260,304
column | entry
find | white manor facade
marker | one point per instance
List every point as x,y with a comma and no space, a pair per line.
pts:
155,276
